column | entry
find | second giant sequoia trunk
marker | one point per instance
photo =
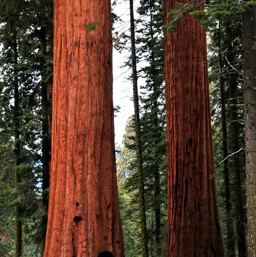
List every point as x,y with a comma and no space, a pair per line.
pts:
83,205
193,224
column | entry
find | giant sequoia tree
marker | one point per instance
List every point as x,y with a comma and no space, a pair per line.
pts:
83,206
193,225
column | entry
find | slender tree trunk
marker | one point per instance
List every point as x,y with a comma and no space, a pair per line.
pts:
156,130
230,240
239,203
17,147
193,225
239,212
157,210
142,208
83,216
249,35
46,141
157,186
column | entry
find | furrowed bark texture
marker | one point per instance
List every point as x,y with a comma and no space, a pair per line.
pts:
83,206
249,41
193,224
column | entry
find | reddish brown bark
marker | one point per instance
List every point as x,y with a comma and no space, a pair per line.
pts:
83,206
193,225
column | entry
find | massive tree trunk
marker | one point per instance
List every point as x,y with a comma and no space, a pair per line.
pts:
249,34
193,224
83,205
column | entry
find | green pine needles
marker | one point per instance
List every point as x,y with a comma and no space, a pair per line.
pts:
212,12
192,7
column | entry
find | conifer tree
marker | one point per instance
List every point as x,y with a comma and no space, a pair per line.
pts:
138,143
150,52
83,204
225,68
20,100
128,191
249,33
236,130
44,34
193,224
9,14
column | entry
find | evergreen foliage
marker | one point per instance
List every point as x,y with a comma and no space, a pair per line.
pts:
128,192
223,22
225,63
22,65
149,50
26,39
150,41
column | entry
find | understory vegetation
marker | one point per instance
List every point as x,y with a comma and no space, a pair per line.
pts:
26,74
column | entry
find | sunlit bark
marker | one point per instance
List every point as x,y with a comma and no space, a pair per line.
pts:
83,210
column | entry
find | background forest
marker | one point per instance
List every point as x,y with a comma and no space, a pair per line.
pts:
26,53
